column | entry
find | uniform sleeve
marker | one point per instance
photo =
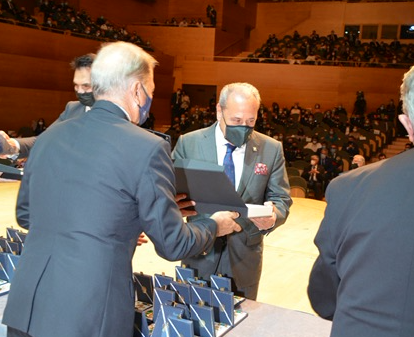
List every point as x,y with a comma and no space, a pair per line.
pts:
26,145
160,216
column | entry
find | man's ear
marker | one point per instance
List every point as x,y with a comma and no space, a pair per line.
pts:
405,120
218,112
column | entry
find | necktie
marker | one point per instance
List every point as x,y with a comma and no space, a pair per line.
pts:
229,164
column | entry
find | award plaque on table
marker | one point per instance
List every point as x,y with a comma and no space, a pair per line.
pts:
8,264
8,246
223,304
208,185
161,280
183,292
182,273
201,295
141,326
179,327
161,324
161,296
144,289
224,283
203,320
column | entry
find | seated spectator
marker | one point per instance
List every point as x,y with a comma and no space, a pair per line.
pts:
295,110
337,161
183,23
294,153
314,174
357,162
327,163
331,137
408,146
296,35
382,156
355,133
351,147
40,126
314,144
317,108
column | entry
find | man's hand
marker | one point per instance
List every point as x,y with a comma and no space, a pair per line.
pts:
7,145
225,222
183,204
265,223
142,239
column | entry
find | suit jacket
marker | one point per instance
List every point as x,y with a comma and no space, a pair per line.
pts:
364,275
245,248
73,109
86,196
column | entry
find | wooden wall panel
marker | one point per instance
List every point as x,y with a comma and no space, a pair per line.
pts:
20,106
36,73
286,84
179,40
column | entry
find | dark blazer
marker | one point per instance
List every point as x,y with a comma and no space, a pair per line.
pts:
319,176
73,109
364,275
245,248
91,186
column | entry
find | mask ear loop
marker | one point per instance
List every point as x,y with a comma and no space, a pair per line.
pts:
143,88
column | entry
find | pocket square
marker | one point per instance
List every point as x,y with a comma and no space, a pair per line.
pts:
260,169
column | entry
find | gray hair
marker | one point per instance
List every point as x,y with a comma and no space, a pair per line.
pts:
407,94
245,90
359,159
116,65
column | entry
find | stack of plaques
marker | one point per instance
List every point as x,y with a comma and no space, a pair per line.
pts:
10,249
185,306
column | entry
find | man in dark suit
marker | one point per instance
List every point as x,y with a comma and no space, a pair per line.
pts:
86,197
82,84
260,176
314,174
327,162
363,279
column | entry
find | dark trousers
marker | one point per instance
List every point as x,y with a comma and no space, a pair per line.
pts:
317,187
12,332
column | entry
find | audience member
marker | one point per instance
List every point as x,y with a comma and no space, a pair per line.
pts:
382,156
351,147
357,161
331,137
314,174
40,126
313,145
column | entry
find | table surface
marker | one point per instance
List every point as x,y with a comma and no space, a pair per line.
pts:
269,320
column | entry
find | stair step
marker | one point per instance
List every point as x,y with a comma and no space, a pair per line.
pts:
394,146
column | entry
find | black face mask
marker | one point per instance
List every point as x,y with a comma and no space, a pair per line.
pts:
354,166
86,98
238,134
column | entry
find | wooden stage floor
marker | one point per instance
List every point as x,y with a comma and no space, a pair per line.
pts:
289,251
